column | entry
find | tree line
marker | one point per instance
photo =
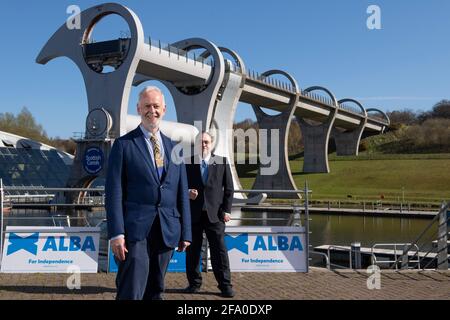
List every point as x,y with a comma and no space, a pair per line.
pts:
25,125
409,132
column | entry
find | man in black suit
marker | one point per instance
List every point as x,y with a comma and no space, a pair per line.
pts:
211,195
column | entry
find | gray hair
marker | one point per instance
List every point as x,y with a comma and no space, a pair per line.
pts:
152,88
208,133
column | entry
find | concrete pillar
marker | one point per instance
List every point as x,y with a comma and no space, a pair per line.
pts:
315,139
347,142
276,124
224,113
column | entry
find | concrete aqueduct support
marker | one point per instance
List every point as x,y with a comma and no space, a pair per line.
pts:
107,94
225,110
316,137
347,142
282,179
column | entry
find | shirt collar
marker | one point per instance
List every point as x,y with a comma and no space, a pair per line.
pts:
206,158
147,133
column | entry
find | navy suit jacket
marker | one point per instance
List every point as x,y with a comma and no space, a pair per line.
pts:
216,195
134,195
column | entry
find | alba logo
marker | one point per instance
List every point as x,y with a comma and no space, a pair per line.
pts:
264,243
281,243
61,243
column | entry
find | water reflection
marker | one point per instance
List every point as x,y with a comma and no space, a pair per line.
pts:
343,230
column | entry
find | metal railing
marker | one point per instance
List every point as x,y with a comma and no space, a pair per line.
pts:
44,199
405,256
56,220
177,52
442,255
351,109
327,258
339,248
375,206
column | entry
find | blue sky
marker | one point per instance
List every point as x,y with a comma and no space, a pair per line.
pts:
404,65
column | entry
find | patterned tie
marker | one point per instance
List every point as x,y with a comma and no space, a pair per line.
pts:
204,172
157,155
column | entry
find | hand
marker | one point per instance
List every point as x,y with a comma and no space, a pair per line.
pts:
182,245
193,193
226,217
118,248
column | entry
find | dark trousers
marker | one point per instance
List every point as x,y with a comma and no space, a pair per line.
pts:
141,275
215,233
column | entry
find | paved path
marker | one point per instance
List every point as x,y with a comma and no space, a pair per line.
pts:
317,284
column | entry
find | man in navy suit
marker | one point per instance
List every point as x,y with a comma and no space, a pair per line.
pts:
211,196
147,203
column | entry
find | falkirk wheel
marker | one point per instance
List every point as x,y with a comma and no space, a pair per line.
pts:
206,90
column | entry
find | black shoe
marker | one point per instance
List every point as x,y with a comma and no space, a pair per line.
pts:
192,289
227,292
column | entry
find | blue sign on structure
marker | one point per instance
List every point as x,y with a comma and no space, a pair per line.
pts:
50,249
267,249
93,160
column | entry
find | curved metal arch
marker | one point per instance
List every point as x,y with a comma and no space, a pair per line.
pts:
237,59
294,83
284,73
89,18
66,43
314,88
210,49
355,102
382,112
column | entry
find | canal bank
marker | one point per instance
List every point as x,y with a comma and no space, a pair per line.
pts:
386,212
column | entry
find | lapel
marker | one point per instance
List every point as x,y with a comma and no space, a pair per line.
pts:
139,140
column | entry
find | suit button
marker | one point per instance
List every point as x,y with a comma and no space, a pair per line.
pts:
158,205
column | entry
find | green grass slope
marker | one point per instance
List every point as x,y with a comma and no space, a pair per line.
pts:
419,178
